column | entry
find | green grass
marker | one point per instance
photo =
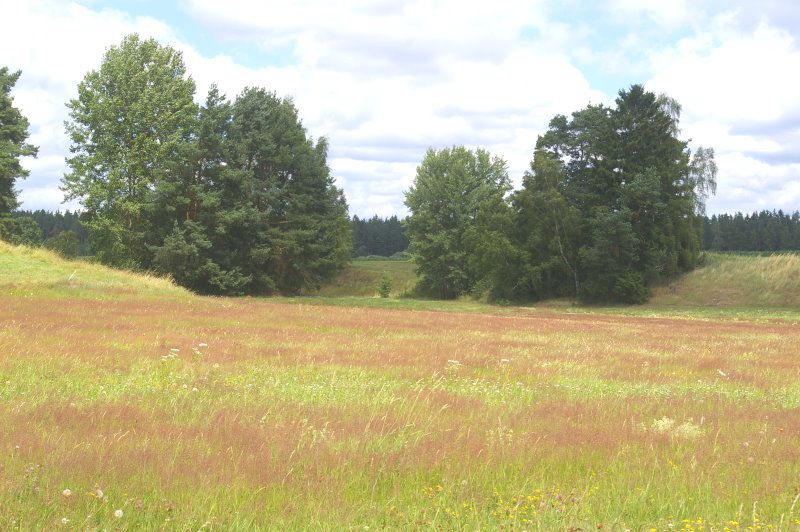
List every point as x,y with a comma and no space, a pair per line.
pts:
362,277
31,271
735,280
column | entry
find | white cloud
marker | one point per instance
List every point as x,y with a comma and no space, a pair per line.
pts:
384,80
738,89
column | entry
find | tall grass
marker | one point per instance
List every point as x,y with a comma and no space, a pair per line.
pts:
25,270
177,412
735,280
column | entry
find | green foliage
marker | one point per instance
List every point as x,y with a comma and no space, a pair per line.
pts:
378,236
610,204
20,231
385,286
129,127
226,198
64,243
13,134
451,188
765,231
53,223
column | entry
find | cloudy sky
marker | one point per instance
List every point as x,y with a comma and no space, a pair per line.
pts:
386,79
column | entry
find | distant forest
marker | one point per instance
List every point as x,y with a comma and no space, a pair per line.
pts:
759,231
371,236
378,236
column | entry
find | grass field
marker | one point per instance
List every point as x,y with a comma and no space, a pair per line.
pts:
128,403
362,278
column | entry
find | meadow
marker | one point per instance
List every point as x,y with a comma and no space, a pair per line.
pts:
126,403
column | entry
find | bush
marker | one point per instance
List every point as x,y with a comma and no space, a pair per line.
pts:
385,286
23,231
64,243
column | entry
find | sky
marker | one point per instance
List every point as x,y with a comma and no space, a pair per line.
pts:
385,80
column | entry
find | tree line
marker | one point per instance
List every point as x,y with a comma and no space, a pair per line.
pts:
378,236
759,231
612,202
233,196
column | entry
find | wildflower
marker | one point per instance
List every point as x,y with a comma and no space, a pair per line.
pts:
663,425
194,389
64,521
185,386
118,514
67,492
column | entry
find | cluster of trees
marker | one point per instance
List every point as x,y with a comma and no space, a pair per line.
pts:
760,231
229,197
61,232
613,201
378,236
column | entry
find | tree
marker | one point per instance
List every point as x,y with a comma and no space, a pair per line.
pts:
451,187
197,206
64,243
298,231
13,145
129,126
611,203
385,286
21,231
548,231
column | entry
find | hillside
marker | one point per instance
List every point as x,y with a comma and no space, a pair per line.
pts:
24,270
362,276
736,281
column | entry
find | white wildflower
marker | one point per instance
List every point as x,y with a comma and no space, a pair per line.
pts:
688,430
64,521
67,492
663,425
118,514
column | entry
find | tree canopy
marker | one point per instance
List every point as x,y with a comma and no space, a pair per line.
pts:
13,144
452,186
227,197
611,203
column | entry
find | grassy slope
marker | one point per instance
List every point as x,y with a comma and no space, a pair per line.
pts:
38,271
737,281
361,278
289,416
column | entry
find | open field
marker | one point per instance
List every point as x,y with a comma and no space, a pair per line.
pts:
187,412
362,277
